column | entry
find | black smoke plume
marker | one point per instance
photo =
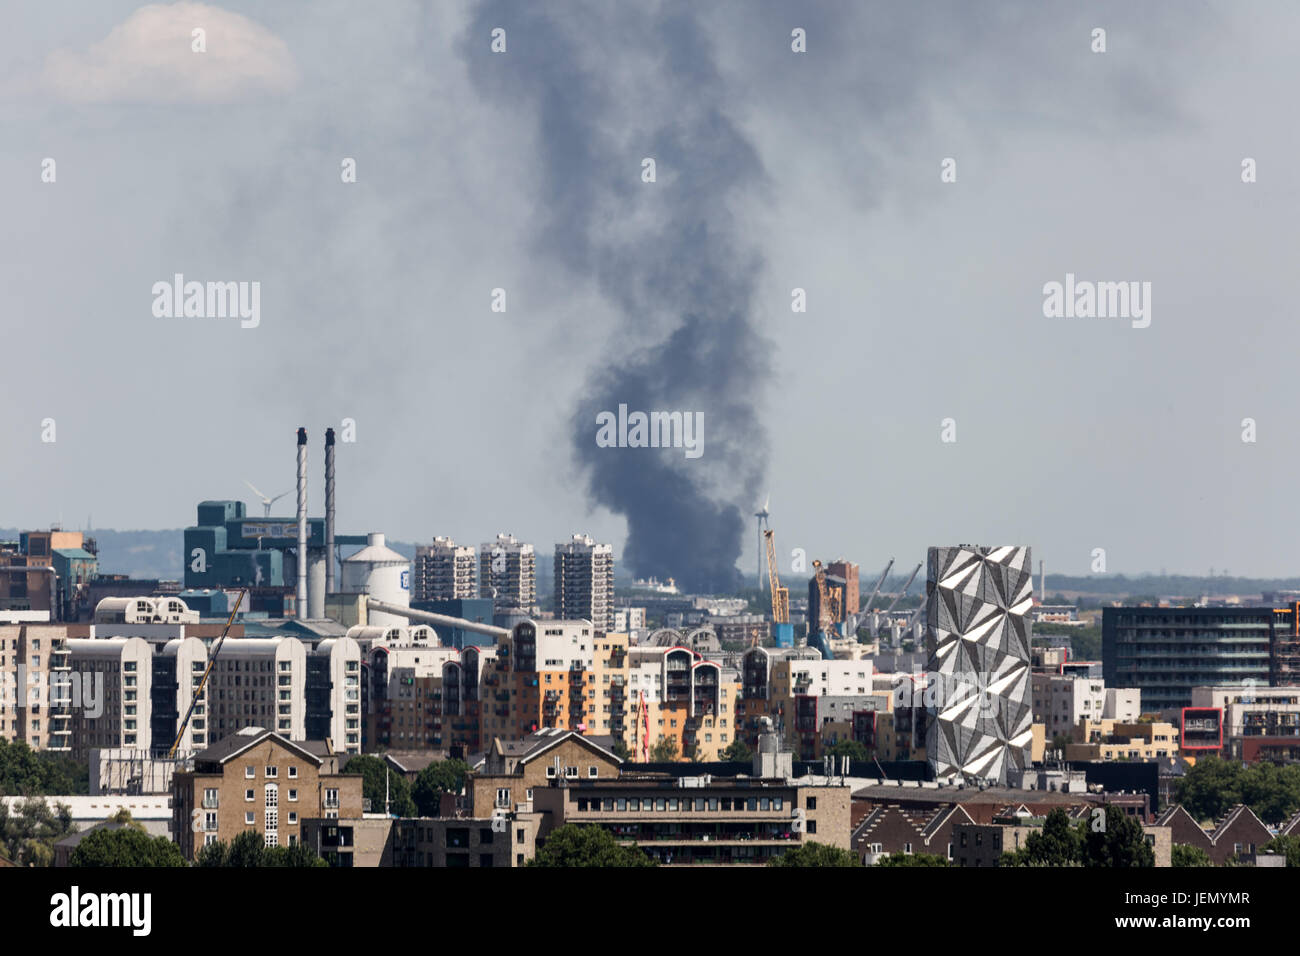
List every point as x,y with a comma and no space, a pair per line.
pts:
609,84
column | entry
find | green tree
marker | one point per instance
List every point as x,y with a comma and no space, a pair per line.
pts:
1183,854
848,748
297,855
214,854
249,849
126,846
816,854
246,850
738,752
25,772
1288,846
30,829
913,859
621,751
1213,786
1058,843
439,777
665,751
376,775
1120,843
574,845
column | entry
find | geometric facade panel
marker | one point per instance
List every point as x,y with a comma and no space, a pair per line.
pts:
977,634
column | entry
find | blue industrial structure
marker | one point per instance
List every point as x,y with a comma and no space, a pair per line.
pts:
228,549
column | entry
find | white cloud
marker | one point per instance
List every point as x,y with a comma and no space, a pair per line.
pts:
149,58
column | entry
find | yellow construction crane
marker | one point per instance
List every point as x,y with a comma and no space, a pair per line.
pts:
198,693
828,603
780,595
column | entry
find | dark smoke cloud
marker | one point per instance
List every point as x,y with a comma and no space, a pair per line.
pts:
607,87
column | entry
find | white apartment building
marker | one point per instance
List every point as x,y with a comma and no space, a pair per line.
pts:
1061,701
507,573
584,581
33,656
443,571
119,711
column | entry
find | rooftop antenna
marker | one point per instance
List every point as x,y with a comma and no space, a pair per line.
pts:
266,502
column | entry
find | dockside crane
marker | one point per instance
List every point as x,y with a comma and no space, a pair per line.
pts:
865,606
903,593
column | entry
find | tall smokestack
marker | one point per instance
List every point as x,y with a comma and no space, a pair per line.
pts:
301,561
329,511
1042,582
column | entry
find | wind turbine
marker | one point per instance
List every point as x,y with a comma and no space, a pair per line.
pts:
267,502
762,516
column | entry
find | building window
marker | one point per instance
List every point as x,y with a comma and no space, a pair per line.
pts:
812,803
293,773
250,772
272,771
812,826
272,795
248,818
571,772
293,819
248,795
550,772
592,772
503,797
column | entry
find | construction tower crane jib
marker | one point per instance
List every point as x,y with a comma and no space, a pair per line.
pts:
780,595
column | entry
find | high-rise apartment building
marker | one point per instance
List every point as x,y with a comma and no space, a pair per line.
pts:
33,692
584,582
507,573
978,715
443,571
1167,651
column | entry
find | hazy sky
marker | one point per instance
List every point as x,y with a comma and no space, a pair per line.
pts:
925,298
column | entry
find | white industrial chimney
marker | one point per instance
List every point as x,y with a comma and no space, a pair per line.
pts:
301,559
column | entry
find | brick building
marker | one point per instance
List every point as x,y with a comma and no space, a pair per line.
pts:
256,780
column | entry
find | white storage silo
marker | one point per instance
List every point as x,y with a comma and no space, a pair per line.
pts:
381,573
